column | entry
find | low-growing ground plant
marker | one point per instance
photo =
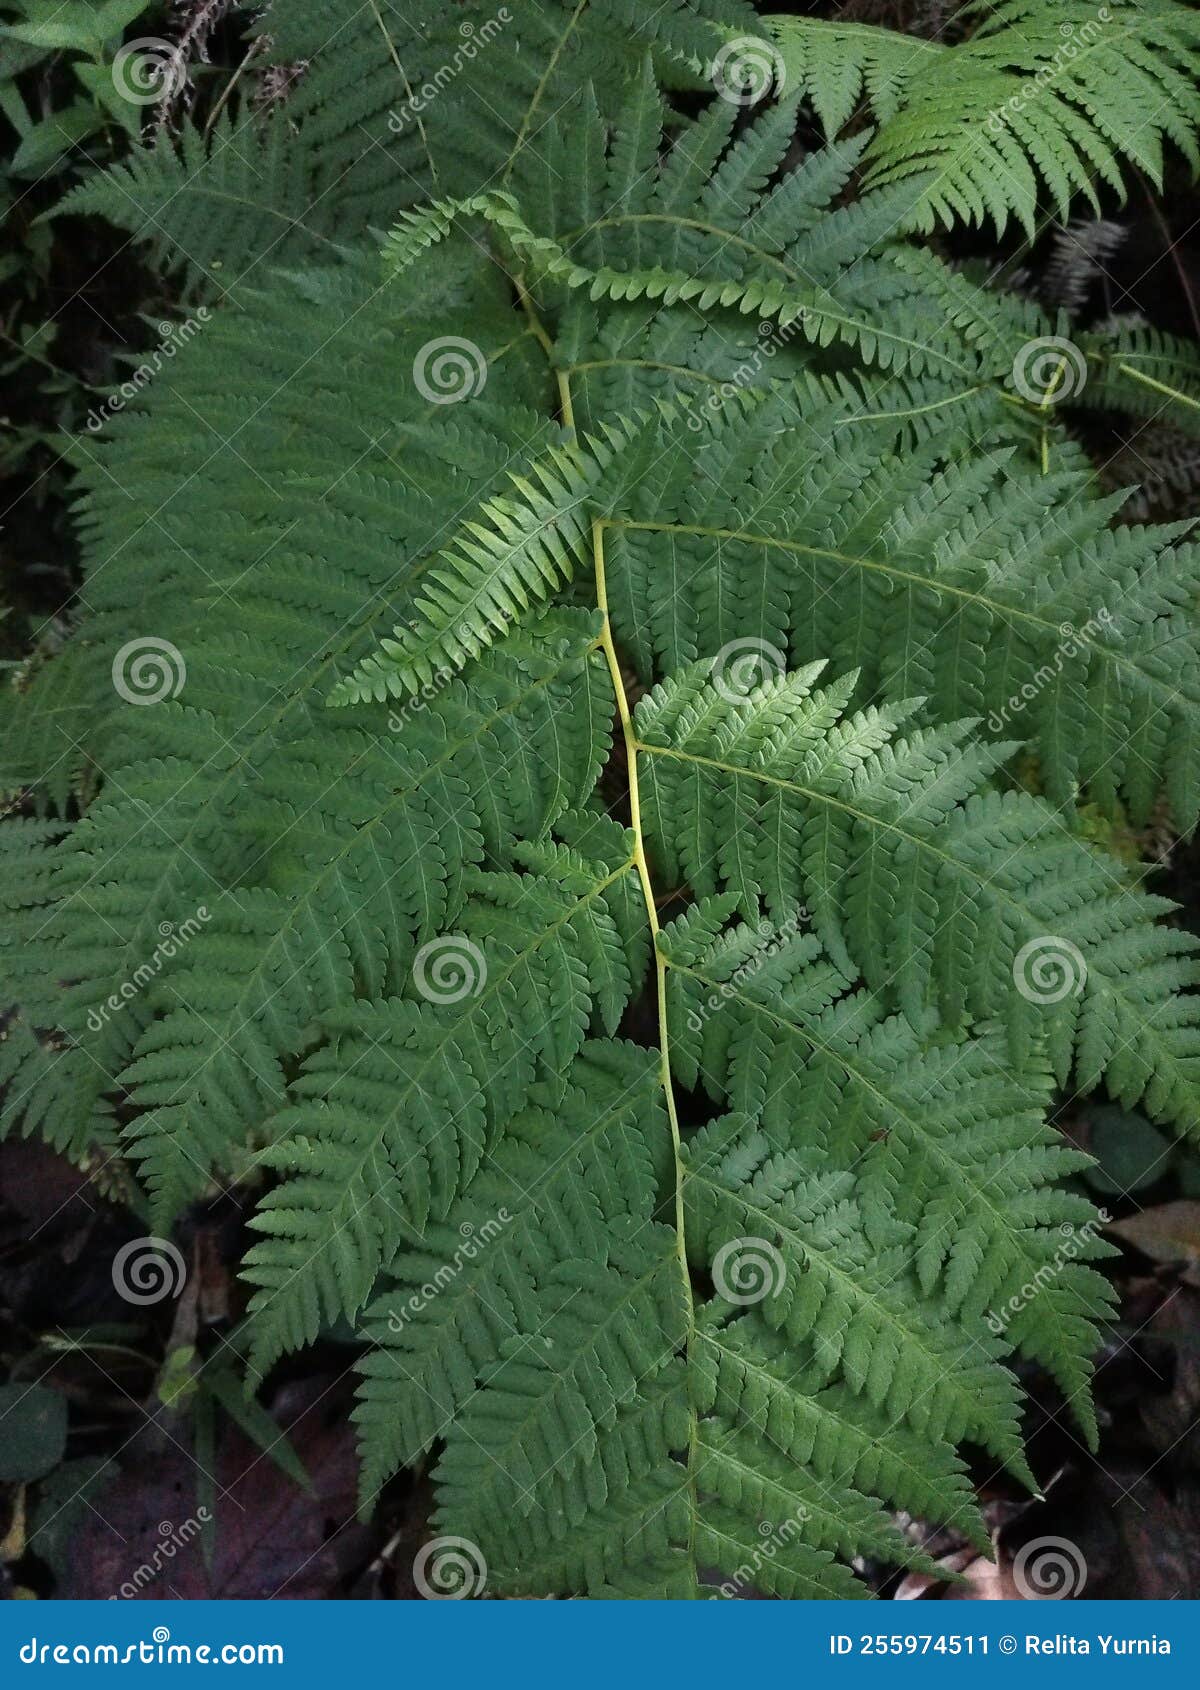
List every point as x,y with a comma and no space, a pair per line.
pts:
572,785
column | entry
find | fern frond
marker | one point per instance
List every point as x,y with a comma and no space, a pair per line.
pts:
1143,372
510,556
383,967
394,1114
574,1289
48,710
48,1088
387,112
940,1136
845,67
904,863
1038,100
549,1189
214,207
1078,258
983,586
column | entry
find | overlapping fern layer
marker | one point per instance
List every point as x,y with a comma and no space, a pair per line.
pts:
1039,104
410,632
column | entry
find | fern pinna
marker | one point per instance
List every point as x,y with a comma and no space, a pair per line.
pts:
631,981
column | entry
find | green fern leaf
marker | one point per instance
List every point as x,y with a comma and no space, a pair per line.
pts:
1038,98
647,1053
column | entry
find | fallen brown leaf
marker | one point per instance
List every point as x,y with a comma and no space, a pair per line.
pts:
1168,1233
271,1538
